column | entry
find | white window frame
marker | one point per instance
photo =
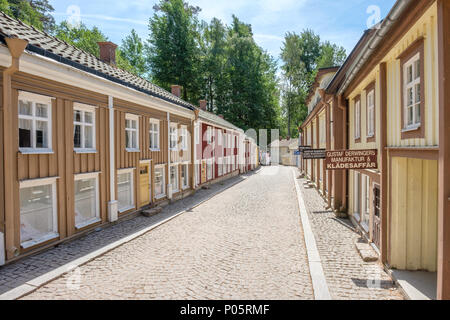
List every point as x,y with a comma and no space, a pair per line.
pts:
209,134
37,98
209,164
357,195
86,108
164,194
371,113
177,189
220,166
412,85
186,167
358,119
365,198
96,219
183,136
173,133
132,117
155,134
37,183
133,182
197,133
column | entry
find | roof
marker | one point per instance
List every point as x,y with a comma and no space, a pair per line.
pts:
211,117
49,46
320,73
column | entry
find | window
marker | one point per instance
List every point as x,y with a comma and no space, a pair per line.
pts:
83,127
174,178
38,212
132,132
183,136
209,135
371,113
220,139
365,215
185,175
87,205
322,131
154,135
357,194
160,182
357,127
35,125
197,134
219,167
412,93
173,137
125,185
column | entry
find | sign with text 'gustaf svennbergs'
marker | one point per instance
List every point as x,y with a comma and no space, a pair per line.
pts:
351,159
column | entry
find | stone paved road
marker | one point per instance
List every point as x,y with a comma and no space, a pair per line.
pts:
246,243
348,277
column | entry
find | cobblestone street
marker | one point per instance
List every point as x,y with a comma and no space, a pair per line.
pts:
245,243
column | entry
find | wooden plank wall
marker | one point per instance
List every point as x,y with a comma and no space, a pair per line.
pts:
2,181
63,163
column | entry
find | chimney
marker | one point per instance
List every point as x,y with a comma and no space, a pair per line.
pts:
176,90
221,116
203,104
108,52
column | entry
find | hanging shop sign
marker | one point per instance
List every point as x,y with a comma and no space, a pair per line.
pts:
303,148
314,154
351,159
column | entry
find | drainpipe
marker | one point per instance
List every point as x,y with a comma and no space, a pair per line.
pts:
7,229
113,203
169,185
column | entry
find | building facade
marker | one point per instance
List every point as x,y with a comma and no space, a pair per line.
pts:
85,143
391,95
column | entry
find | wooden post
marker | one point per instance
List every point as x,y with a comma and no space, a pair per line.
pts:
384,163
16,48
443,278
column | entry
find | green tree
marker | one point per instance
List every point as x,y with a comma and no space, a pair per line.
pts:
33,12
174,55
133,51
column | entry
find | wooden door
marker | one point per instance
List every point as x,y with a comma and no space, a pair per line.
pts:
145,184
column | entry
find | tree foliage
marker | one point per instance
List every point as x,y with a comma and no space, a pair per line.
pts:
303,55
133,51
36,13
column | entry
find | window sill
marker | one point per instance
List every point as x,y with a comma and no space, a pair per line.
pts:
87,223
162,196
133,150
155,150
85,151
171,149
36,151
411,128
32,243
127,209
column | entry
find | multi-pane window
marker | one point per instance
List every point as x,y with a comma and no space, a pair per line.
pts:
412,92
371,113
35,125
357,193
183,138
154,134
132,132
219,167
87,205
365,201
160,185
209,169
197,134
357,122
83,127
173,175
125,185
185,176
173,133
209,135
38,212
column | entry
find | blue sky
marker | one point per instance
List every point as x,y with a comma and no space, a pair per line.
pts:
339,21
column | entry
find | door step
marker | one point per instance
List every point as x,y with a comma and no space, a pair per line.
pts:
366,252
151,212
